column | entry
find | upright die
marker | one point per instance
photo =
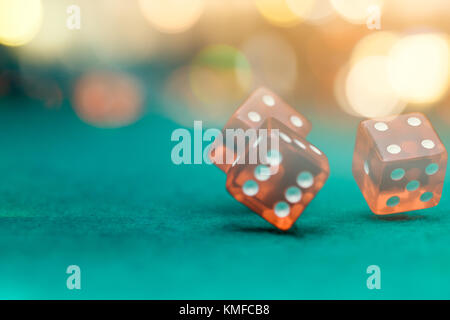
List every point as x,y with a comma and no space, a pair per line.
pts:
399,163
260,106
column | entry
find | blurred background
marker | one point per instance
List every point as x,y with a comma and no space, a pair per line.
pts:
198,59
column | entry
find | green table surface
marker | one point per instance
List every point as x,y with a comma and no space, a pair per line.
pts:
139,227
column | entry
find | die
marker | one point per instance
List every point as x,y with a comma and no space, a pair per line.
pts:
280,190
261,105
285,178
399,163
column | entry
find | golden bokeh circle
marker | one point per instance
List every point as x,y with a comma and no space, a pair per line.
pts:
277,12
172,16
20,21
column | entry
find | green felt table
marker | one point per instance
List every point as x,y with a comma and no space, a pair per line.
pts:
139,227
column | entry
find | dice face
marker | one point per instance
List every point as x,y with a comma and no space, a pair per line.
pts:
260,106
399,163
280,189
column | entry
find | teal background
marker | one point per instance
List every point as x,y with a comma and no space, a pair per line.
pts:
112,202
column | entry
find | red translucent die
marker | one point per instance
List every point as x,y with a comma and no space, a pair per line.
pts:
399,163
280,189
261,105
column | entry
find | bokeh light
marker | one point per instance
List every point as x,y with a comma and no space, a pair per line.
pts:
277,12
106,99
20,20
417,10
301,8
53,39
312,11
210,88
339,91
123,34
228,21
355,11
368,90
172,16
220,76
419,67
375,44
183,107
273,61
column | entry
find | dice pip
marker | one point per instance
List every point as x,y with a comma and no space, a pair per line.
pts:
399,163
280,187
